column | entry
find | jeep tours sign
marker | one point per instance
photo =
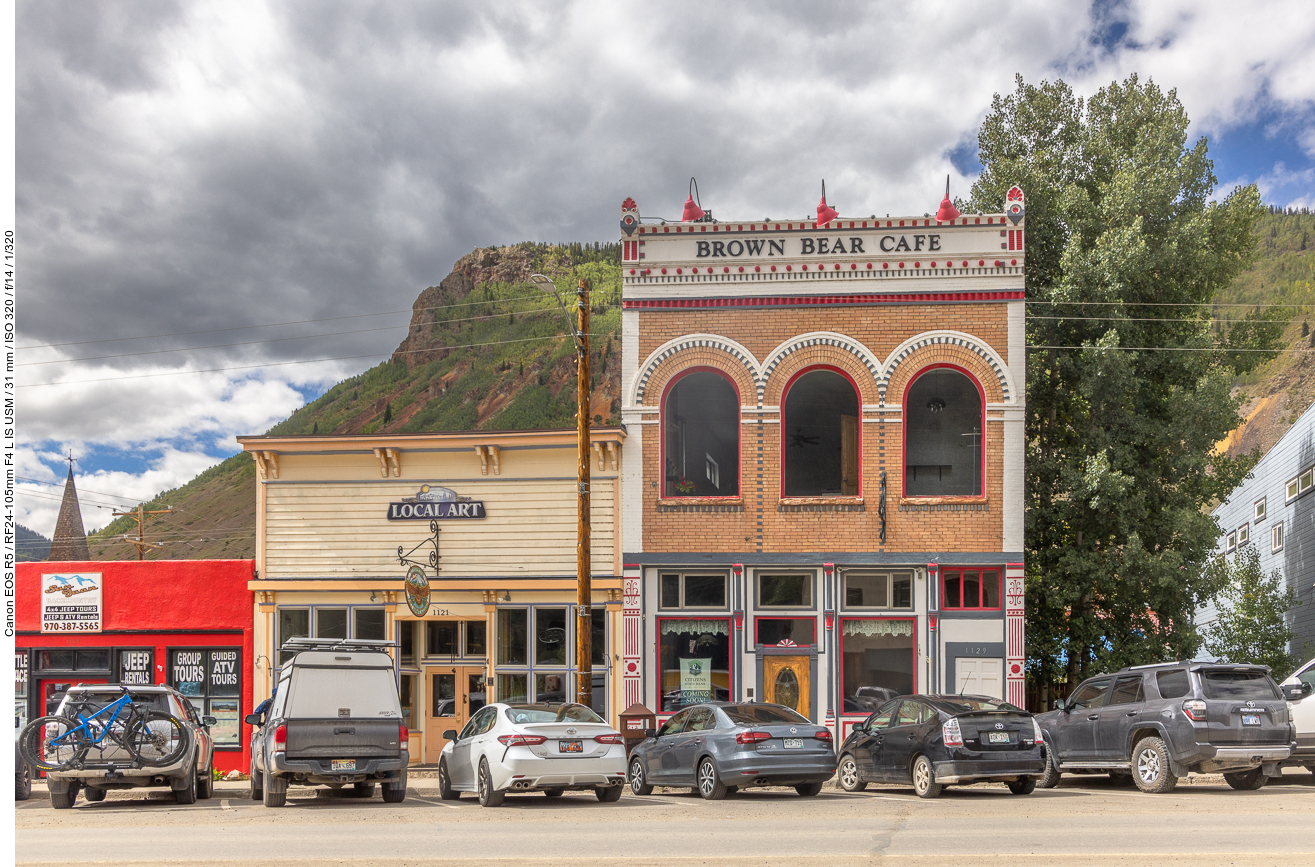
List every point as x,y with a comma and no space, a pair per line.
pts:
71,602
433,502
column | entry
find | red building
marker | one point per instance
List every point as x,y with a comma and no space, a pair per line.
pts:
185,623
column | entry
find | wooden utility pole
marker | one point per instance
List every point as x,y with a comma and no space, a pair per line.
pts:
142,516
584,673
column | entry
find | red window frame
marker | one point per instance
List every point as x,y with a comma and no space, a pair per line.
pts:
785,392
904,434
757,620
840,650
730,658
662,436
982,571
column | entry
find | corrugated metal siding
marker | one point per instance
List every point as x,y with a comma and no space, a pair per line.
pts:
341,530
1291,455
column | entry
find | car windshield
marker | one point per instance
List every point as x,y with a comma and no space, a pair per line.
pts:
963,704
757,714
99,699
1234,683
542,713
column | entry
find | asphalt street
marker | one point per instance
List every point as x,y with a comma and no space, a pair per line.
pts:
1088,820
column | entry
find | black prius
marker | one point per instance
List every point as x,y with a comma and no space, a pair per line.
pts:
933,741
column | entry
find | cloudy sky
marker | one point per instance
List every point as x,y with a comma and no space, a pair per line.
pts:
223,207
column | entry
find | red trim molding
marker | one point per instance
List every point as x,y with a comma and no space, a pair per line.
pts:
821,300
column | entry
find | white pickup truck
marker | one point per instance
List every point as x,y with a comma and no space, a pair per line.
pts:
1302,710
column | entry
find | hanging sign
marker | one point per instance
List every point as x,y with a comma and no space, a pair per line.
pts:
136,667
71,602
417,591
432,502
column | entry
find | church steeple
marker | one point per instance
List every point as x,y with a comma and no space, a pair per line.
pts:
70,539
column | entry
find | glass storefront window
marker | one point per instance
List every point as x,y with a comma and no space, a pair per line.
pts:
877,661
785,591
550,636
211,678
369,624
406,640
331,623
511,687
441,637
793,630
293,623
598,636
550,687
879,589
57,659
694,661
476,631
512,633
693,591
406,689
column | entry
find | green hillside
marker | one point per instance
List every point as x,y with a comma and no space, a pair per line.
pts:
486,350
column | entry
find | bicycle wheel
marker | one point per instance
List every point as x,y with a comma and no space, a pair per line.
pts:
53,743
157,739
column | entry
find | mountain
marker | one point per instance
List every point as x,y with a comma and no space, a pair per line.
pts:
1278,392
29,545
485,350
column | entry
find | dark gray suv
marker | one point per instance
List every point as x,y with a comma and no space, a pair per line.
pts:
1158,723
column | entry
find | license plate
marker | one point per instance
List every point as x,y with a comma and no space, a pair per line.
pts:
997,737
342,765
1250,719
794,743
570,746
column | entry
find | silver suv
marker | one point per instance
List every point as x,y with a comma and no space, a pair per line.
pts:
190,778
1158,723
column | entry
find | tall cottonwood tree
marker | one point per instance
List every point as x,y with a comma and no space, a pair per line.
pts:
1128,389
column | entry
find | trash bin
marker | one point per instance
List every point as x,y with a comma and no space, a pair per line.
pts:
634,720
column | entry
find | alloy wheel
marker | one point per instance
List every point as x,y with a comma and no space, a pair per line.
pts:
921,776
848,774
707,778
1148,766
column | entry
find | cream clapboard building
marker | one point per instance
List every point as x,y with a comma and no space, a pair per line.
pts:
486,519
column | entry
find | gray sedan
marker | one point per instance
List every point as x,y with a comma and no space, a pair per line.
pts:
720,747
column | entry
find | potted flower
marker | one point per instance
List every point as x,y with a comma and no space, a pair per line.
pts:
686,486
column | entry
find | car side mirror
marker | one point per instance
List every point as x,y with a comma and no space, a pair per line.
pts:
251,719
209,721
1295,691
1060,704
650,733
450,735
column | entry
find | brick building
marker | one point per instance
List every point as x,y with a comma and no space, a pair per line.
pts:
823,484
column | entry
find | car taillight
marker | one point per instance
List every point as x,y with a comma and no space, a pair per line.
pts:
281,738
1036,731
822,734
751,737
521,740
1195,709
951,736
403,734
610,739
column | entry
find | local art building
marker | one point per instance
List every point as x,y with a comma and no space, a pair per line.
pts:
458,547
185,623
823,481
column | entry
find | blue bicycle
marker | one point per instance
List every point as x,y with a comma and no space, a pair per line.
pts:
62,742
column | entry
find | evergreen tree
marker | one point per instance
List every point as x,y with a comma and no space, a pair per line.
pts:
1126,397
1250,626
388,412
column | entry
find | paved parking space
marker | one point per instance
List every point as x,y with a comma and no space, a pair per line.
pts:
1087,820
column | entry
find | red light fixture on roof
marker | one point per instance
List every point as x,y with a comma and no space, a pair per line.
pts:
947,213
693,213
825,213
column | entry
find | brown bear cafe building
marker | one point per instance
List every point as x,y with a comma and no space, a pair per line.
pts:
822,485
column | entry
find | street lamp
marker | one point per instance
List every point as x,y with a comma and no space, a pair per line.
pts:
584,678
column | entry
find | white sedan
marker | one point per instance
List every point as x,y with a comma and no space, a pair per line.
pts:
532,747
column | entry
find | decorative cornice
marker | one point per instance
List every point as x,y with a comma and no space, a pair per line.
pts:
694,341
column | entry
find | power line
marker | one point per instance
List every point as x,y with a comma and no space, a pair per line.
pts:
81,490
1166,304
1223,349
1183,321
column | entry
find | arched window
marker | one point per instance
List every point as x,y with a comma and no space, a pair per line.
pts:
943,435
820,436
701,437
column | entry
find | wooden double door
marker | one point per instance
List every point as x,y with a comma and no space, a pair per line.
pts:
788,680
453,694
